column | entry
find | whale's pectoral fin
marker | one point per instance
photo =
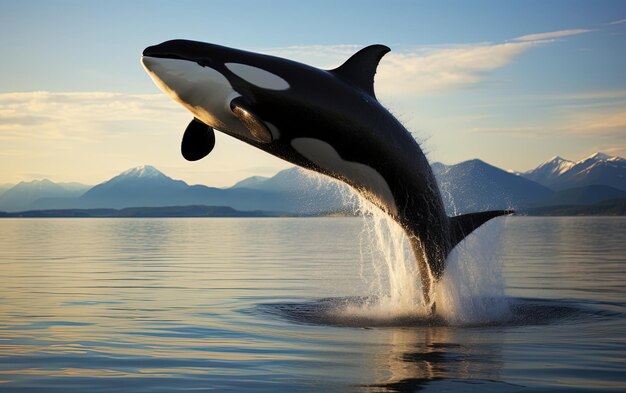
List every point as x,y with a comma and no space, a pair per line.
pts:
463,225
198,140
359,70
257,128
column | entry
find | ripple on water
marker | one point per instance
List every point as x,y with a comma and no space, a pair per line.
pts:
363,312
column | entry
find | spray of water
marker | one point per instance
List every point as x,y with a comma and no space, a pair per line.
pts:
470,292
388,268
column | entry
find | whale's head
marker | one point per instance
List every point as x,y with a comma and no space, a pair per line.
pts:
223,87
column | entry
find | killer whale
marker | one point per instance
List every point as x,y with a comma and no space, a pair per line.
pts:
328,121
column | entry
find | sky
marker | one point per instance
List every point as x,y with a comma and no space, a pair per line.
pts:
510,82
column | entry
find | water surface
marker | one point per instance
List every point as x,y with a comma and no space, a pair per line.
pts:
163,305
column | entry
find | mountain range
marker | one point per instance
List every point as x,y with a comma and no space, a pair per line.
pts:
288,191
475,185
26,195
597,169
466,187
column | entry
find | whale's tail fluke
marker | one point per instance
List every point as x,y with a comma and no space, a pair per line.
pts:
463,225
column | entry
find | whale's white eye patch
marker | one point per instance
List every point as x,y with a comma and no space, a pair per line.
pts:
258,77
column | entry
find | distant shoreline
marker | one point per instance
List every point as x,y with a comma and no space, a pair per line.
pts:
609,208
145,212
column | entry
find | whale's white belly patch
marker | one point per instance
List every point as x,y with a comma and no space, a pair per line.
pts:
326,157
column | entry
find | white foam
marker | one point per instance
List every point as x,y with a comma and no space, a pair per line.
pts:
472,290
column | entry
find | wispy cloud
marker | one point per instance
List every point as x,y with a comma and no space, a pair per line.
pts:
583,121
592,95
444,69
426,70
610,149
551,35
75,116
517,131
420,70
600,123
617,22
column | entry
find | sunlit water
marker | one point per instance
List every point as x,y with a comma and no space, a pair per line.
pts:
308,304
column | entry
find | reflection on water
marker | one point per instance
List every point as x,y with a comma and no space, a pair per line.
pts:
415,359
143,305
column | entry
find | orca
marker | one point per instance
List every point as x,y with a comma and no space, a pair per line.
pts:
328,121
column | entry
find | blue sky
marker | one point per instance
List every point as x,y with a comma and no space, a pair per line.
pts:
512,83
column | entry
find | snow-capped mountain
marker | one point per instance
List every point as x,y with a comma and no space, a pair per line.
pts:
549,170
597,169
140,186
144,171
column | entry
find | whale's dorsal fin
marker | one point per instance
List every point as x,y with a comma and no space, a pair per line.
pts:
463,225
360,68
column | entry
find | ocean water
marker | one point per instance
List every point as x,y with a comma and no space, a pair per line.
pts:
308,304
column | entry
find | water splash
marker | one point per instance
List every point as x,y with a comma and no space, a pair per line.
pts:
471,291
388,268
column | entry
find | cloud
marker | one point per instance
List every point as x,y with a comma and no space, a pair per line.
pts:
428,70
12,119
591,115
77,116
444,69
611,150
422,70
592,95
617,22
581,121
551,35
600,123
533,131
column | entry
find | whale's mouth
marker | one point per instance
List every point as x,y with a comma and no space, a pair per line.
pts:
158,52
203,62
154,53
159,55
